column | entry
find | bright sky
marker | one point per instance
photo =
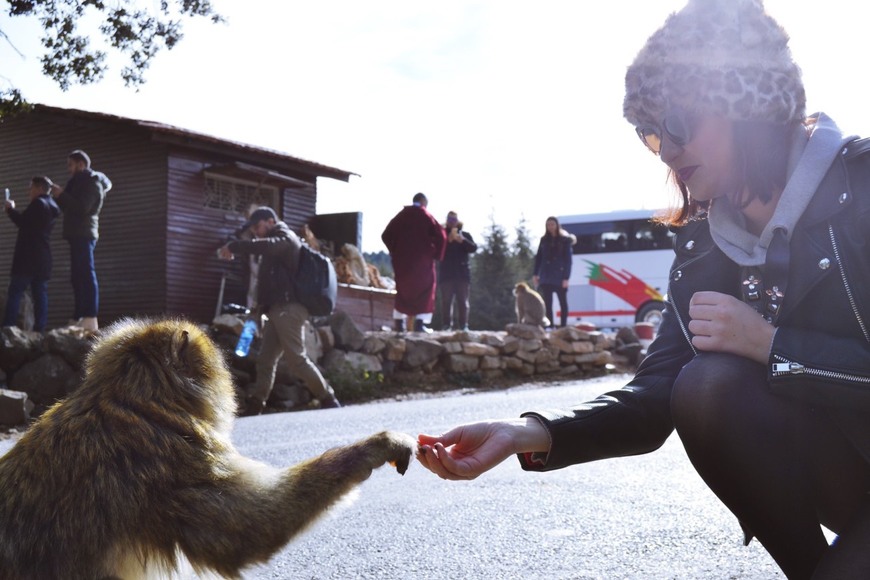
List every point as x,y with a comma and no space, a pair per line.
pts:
497,109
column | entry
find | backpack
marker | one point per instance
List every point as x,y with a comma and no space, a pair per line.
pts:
315,283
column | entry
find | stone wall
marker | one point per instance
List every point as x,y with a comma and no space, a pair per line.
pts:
359,364
36,370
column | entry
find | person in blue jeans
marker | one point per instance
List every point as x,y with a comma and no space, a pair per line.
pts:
553,268
81,201
31,261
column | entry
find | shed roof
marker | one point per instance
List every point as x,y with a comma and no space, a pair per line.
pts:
171,134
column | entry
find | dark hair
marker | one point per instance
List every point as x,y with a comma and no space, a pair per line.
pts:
41,181
79,155
760,165
558,227
420,198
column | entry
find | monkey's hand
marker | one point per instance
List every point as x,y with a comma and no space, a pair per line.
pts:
391,447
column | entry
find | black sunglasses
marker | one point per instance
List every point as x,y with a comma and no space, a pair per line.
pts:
676,125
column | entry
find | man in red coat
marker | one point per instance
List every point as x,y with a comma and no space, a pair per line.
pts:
415,240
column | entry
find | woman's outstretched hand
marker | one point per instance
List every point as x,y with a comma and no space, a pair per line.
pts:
466,451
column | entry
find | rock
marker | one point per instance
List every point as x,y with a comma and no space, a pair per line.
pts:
374,344
18,346
531,344
452,347
313,346
70,344
461,363
15,408
395,349
347,334
327,338
286,396
561,344
477,349
511,345
526,331
492,340
582,347
46,379
364,362
491,362
230,323
421,352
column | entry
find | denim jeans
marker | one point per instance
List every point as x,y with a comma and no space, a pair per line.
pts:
83,277
38,290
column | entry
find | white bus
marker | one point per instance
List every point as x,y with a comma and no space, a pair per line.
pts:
619,273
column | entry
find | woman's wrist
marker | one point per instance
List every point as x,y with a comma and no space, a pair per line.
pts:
530,436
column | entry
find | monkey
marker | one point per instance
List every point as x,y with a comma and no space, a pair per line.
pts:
136,467
357,270
310,238
530,306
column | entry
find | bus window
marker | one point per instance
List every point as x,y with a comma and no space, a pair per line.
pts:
619,236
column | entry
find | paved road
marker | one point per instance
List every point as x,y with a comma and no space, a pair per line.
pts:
648,517
643,517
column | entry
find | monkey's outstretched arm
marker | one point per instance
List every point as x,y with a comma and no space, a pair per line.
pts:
244,518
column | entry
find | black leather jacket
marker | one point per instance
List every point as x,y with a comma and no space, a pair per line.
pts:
820,352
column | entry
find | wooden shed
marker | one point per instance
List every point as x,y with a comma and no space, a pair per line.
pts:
176,197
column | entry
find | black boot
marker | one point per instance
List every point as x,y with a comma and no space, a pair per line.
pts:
329,402
252,406
420,327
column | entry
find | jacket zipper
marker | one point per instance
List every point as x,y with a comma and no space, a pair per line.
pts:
846,284
676,311
787,367
673,302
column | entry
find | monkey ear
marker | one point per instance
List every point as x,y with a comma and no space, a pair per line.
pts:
180,341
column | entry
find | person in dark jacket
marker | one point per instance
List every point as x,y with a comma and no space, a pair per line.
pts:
81,201
762,360
31,261
415,241
283,331
454,273
553,268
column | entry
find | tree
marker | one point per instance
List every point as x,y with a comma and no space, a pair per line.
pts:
493,276
523,253
136,33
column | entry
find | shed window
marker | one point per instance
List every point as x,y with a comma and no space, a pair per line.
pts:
236,195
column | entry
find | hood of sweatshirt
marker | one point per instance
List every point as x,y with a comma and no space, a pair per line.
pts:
810,156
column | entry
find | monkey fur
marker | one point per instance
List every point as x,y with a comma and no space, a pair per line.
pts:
530,306
136,467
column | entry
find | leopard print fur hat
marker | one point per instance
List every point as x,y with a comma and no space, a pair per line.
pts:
721,57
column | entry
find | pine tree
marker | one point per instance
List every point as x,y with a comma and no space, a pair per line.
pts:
524,256
493,276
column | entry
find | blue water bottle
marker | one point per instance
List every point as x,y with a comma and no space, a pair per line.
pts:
247,336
